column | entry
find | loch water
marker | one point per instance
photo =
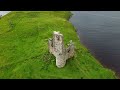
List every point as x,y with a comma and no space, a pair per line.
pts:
99,31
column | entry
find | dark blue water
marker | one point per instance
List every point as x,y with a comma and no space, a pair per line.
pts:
99,31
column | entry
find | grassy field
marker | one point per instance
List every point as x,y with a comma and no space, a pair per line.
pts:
24,48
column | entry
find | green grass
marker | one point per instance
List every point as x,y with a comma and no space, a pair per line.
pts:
24,48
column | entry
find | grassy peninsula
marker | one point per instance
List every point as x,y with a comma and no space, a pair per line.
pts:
24,48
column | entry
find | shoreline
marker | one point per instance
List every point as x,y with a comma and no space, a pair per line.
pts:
27,42
93,54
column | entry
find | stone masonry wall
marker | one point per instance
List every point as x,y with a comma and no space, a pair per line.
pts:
56,47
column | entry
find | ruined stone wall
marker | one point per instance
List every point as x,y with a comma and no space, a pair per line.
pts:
56,47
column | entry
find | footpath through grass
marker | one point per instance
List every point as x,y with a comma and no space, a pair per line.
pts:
24,48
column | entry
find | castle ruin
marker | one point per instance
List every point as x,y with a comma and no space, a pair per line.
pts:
57,48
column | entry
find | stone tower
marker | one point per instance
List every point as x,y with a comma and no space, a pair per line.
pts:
56,47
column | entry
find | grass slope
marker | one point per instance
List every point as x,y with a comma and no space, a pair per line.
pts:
24,48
